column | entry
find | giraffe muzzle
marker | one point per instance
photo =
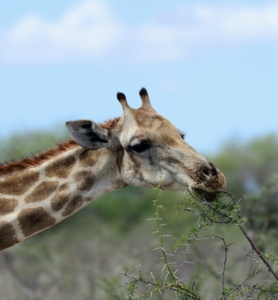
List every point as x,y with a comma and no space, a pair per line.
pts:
210,182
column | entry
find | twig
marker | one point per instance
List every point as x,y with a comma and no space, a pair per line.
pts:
270,269
243,282
250,292
254,247
224,262
258,252
198,253
161,237
191,244
175,287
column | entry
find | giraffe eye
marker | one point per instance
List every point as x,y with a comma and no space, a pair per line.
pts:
140,147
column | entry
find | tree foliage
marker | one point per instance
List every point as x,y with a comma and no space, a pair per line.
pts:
248,165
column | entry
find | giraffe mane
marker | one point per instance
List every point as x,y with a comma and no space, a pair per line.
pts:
41,157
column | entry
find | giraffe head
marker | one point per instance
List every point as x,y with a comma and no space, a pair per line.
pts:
151,149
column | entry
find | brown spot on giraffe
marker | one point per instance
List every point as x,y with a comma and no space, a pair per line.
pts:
7,235
42,191
18,183
7,206
32,220
88,158
60,168
61,197
84,180
73,205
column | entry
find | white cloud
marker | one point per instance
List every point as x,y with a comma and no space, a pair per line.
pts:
85,31
91,32
183,32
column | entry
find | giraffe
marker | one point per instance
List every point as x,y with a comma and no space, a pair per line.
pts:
141,148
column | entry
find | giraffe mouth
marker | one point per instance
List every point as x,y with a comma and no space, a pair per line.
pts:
204,195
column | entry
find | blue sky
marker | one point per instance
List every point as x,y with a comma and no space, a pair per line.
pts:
211,67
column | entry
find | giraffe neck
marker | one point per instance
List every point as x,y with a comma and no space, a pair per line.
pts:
36,198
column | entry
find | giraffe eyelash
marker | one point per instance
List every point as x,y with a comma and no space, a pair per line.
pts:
182,134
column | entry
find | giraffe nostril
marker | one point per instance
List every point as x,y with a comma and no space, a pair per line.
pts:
205,171
208,171
213,169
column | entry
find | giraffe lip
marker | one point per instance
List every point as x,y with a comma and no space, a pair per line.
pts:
208,196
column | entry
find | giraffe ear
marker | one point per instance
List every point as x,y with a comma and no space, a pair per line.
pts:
88,134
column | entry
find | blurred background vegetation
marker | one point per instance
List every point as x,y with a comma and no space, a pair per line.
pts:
81,257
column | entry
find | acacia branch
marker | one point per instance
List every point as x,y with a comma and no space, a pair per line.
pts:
224,262
200,256
258,252
174,286
254,246
244,281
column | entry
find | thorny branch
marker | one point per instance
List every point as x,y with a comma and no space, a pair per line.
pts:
224,262
172,286
246,279
191,244
208,267
270,269
224,211
267,264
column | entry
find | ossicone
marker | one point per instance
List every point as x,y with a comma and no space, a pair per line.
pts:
121,96
122,99
144,96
